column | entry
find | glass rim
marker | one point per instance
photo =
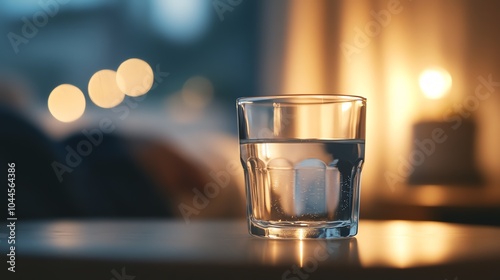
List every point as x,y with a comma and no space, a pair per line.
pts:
329,98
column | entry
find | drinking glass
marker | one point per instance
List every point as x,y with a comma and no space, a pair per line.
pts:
302,156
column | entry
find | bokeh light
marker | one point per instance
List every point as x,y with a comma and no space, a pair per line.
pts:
66,103
103,89
197,92
134,77
435,82
181,21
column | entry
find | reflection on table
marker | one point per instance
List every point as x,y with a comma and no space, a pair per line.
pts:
158,248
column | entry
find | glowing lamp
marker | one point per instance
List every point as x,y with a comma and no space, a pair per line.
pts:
435,83
441,154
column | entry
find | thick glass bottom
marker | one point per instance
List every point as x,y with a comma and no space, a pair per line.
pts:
302,229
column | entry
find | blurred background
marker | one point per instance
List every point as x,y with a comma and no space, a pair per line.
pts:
429,69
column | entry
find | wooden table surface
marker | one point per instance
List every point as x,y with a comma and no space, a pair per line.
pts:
172,249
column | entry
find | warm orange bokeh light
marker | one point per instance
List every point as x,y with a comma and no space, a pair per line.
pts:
435,82
134,77
304,60
103,89
66,103
403,250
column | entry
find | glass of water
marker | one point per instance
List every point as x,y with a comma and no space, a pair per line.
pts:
302,156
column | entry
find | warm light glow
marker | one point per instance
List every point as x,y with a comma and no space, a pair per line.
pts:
401,250
134,77
103,89
435,82
301,252
197,92
431,195
66,234
66,103
405,250
304,53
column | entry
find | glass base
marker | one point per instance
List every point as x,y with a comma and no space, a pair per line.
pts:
303,230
